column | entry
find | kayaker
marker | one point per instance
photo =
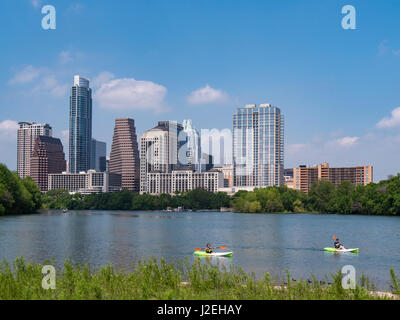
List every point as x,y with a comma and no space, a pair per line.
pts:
209,249
337,244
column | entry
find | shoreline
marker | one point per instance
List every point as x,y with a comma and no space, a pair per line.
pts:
218,211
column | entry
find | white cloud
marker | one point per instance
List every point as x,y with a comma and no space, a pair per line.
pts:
207,95
8,130
102,78
26,75
131,94
50,85
347,141
391,122
43,81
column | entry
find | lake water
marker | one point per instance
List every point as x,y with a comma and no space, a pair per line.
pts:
261,243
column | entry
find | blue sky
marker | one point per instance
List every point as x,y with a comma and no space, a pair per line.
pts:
178,59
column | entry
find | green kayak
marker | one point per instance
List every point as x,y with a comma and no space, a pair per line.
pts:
213,254
355,250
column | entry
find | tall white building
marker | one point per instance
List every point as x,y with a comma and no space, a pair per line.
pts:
26,137
159,150
258,146
190,152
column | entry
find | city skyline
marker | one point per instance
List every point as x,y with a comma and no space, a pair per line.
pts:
337,88
261,124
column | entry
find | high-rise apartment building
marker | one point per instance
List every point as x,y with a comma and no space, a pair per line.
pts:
159,150
304,177
47,157
98,155
124,157
190,152
26,137
258,146
80,125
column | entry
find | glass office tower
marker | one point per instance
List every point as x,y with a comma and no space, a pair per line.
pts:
80,125
98,154
258,145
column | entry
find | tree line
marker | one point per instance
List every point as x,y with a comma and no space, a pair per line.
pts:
18,196
126,200
21,196
381,198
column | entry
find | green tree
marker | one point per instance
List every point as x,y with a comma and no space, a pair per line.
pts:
298,206
321,197
344,197
15,196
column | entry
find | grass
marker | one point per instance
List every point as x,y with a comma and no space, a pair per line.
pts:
159,280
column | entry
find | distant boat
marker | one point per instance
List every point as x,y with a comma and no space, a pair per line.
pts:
65,210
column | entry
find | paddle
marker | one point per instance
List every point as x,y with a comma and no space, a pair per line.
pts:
221,247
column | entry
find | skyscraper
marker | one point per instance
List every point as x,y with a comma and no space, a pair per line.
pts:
26,137
80,125
258,146
190,152
159,150
47,157
98,155
124,157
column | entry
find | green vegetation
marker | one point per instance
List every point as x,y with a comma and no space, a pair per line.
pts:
17,196
21,196
126,200
381,198
160,280
271,199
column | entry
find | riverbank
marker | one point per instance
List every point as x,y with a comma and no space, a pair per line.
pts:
159,280
372,199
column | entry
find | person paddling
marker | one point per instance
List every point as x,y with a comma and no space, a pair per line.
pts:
209,249
338,245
